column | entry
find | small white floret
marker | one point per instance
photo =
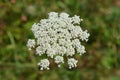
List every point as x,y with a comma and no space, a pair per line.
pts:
30,43
44,64
72,63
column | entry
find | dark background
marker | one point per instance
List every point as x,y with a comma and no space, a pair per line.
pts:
101,19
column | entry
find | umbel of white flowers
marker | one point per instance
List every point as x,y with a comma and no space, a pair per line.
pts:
56,37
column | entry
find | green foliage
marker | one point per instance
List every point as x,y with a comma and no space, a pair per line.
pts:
101,18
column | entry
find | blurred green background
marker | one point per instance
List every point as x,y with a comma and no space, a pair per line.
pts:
101,19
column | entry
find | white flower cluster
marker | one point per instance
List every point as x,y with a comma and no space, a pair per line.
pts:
72,63
58,36
44,64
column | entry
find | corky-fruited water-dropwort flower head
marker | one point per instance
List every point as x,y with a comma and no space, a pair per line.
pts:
56,37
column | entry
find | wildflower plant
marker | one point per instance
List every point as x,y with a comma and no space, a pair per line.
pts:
57,37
